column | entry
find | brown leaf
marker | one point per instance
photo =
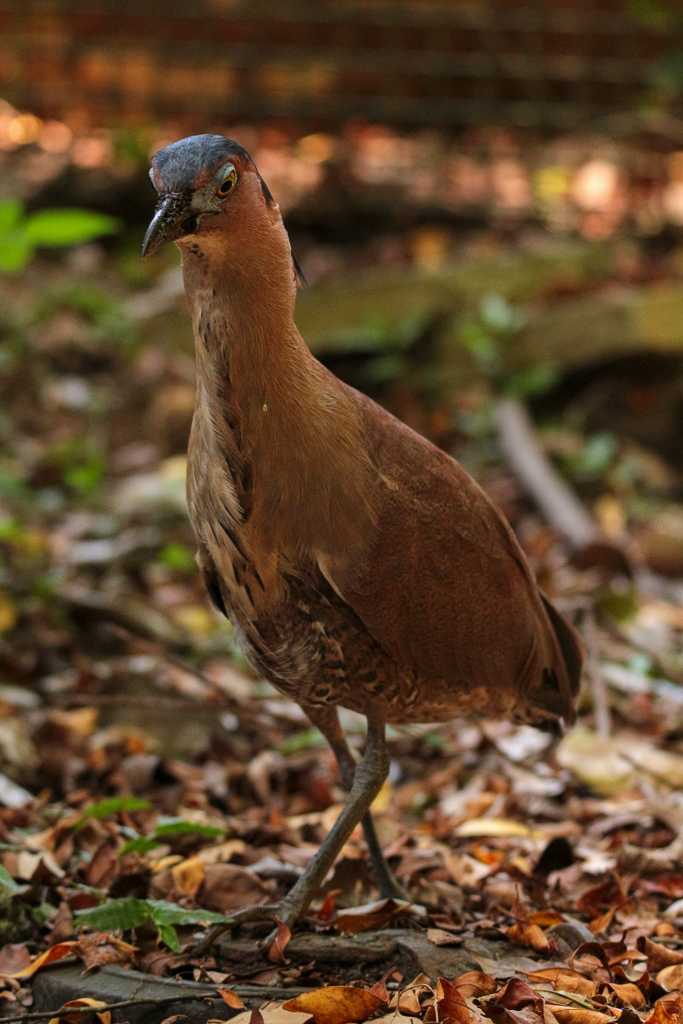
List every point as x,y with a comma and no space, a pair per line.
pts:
100,948
442,938
269,1015
50,956
671,978
228,886
369,915
450,1003
529,935
628,994
188,876
516,994
329,905
566,979
74,1018
658,956
667,1010
602,923
337,1004
578,1015
276,951
408,1001
14,957
231,998
473,984
546,918
104,865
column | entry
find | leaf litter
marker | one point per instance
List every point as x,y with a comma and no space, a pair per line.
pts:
156,785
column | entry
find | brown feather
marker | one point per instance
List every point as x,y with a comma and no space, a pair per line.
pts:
362,565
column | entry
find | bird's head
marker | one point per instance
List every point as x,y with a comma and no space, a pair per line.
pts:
210,195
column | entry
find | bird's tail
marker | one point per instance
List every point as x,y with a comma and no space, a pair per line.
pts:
554,700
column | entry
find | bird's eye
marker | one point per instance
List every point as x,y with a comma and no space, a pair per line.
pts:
228,180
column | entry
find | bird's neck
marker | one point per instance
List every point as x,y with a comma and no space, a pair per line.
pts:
262,396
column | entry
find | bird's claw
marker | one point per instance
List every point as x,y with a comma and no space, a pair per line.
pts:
248,915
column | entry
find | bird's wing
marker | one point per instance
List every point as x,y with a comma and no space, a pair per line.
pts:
443,585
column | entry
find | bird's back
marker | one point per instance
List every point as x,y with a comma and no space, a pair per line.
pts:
445,589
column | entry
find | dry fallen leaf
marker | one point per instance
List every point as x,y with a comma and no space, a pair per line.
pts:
579,1015
628,994
188,876
667,1010
231,999
441,938
228,886
14,957
492,827
337,1004
50,956
369,915
276,950
473,984
100,948
658,955
73,1018
268,1015
671,978
450,1003
528,935
566,979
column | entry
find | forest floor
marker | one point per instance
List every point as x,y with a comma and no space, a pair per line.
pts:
151,784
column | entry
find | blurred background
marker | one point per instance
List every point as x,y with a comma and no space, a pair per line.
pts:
487,201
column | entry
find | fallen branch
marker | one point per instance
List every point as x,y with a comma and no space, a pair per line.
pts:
253,991
559,504
125,1004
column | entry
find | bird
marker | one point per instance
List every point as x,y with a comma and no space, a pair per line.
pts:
361,566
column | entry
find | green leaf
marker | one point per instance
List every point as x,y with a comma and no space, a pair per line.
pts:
15,251
127,913
67,227
10,214
307,739
177,557
120,914
181,827
141,844
8,887
112,805
166,829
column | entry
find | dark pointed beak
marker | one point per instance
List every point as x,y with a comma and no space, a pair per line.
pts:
172,219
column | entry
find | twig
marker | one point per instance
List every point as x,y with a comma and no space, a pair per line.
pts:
255,991
125,1004
559,504
600,694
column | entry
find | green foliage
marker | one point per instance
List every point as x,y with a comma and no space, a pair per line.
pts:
595,457
488,335
123,914
171,828
110,806
8,887
21,234
178,558
82,466
307,739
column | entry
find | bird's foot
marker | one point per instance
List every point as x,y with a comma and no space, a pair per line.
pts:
390,888
267,912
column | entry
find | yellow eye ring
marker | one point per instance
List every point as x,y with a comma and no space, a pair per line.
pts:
229,181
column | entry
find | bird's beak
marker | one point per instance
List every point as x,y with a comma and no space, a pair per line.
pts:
172,219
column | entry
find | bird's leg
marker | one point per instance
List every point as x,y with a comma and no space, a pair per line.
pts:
368,777
370,773
327,720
